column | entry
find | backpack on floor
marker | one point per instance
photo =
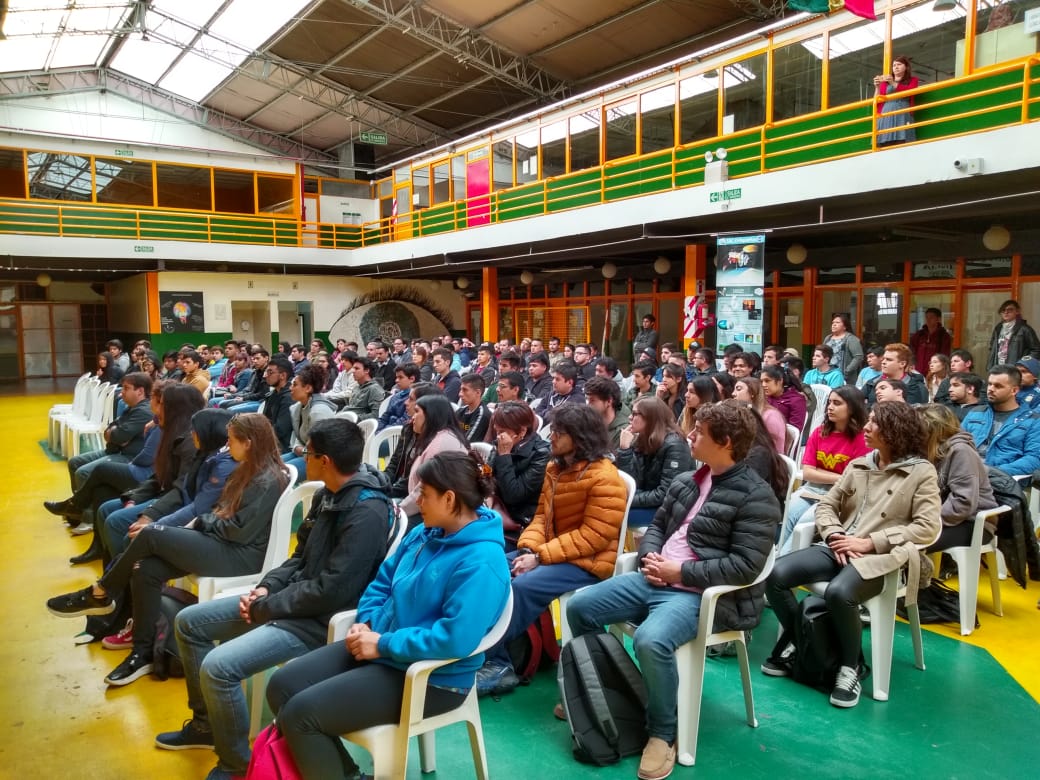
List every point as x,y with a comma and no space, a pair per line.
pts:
604,698
166,657
535,648
817,655
938,603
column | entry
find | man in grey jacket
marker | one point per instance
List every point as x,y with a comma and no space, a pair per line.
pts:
341,544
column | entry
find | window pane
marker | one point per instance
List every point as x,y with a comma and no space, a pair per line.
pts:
183,187
930,39
882,315
883,272
855,55
1000,33
12,174
980,315
458,177
744,84
441,185
943,301
123,181
527,157
987,267
621,130
275,194
698,108
59,176
797,80
233,191
420,188
554,146
843,275
657,114
502,165
584,139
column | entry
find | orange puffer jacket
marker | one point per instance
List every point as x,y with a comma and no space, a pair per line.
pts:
579,517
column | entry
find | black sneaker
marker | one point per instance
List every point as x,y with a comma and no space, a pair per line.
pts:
846,688
79,603
60,508
133,668
190,737
779,666
495,679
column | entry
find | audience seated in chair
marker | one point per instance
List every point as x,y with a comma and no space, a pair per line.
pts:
518,464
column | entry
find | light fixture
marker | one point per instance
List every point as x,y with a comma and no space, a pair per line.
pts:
711,74
662,265
44,280
609,270
462,282
796,254
526,277
709,156
721,153
944,5
996,238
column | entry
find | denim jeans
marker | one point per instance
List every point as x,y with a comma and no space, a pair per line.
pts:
796,514
242,408
299,462
114,521
81,465
666,618
214,673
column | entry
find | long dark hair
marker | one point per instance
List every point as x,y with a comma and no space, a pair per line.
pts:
264,459
659,421
782,374
179,403
210,428
440,416
857,404
586,428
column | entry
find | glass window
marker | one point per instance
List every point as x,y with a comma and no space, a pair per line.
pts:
59,176
843,275
441,184
12,173
183,187
981,314
855,55
458,177
1030,265
744,88
943,301
657,119
554,149
934,269
527,157
699,107
274,194
420,188
344,188
621,130
123,181
502,165
233,191
792,321
833,302
791,277
930,39
986,267
882,315
1000,33
584,139
797,80
402,175
883,272
386,188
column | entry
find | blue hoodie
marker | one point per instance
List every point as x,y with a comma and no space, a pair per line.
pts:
437,597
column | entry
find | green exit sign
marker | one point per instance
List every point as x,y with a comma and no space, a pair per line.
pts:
124,152
374,137
724,195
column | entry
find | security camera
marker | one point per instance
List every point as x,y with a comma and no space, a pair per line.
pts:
969,165
960,165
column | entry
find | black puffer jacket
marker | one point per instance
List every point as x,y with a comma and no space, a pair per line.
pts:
654,472
519,477
731,535
340,546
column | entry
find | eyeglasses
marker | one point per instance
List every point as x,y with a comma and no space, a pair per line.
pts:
307,452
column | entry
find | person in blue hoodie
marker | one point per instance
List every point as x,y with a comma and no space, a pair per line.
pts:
435,598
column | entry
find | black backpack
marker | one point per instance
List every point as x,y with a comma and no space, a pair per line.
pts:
166,658
535,648
817,656
938,603
604,698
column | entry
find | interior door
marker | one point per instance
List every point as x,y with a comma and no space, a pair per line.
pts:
478,187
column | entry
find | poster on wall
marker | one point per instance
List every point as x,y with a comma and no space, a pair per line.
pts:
181,312
740,275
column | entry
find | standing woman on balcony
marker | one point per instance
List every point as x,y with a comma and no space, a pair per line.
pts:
893,112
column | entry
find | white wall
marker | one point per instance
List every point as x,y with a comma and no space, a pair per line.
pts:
329,295
333,208
128,305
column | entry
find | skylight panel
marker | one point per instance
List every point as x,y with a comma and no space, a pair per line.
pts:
78,50
250,23
196,13
195,76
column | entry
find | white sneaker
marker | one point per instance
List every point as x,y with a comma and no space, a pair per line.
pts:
846,688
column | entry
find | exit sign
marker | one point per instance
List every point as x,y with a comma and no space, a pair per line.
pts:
124,152
374,137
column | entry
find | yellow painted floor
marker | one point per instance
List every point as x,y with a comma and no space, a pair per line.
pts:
62,721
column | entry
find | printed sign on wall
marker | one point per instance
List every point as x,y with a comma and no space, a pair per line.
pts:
740,274
181,312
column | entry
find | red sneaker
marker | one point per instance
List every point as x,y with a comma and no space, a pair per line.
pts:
124,640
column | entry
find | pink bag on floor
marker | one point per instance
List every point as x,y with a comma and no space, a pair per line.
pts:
271,757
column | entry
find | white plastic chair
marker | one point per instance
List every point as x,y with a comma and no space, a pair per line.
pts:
690,659
348,414
794,440
374,442
545,432
101,411
630,485
388,744
968,560
368,428
485,450
60,410
822,393
385,405
882,609
210,588
79,413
